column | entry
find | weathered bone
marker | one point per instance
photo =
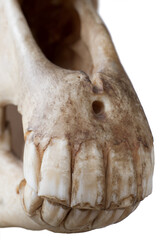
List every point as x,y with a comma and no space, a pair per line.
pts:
88,155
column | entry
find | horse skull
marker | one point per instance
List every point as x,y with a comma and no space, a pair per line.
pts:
88,155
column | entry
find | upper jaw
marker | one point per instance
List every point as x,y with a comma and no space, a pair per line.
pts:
113,166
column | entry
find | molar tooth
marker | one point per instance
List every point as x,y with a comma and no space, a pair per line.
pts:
53,214
55,172
31,164
88,188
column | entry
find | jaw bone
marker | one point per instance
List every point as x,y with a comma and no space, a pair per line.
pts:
88,157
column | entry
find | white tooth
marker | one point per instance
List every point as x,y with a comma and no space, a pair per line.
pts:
30,200
80,219
146,158
127,212
31,164
107,217
53,214
121,178
88,186
55,180
104,218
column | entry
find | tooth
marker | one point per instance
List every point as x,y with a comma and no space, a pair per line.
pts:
121,178
127,212
146,159
88,186
80,219
53,214
55,180
31,201
31,164
107,217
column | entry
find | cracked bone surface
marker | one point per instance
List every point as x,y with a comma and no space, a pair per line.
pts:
88,155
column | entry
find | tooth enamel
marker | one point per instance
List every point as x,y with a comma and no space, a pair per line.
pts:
31,165
127,212
121,178
31,201
106,218
146,158
88,187
53,214
80,219
55,180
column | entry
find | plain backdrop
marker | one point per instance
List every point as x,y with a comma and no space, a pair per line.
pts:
135,29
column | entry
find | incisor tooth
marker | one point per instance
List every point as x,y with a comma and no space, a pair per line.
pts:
31,201
80,219
107,217
31,164
88,188
55,172
146,159
121,178
53,214
127,212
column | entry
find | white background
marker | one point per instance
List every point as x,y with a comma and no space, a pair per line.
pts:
135,29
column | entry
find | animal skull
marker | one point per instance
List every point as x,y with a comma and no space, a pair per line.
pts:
88,155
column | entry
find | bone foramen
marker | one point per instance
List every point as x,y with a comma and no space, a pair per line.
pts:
88,155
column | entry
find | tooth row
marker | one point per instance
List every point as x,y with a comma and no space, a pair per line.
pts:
52,178
92,186
58,216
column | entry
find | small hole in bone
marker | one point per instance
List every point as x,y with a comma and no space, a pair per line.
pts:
98,107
